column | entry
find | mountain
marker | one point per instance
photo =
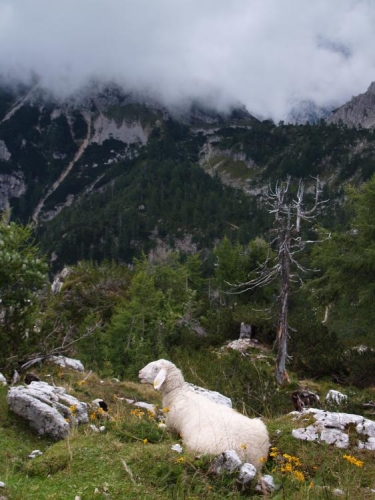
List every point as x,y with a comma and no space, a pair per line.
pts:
109,174
359,111
306,112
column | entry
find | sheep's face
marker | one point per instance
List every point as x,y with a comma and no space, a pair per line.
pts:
154,373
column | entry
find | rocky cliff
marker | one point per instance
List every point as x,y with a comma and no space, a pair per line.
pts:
359,111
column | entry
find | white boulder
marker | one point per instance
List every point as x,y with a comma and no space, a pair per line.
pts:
335,397
65,362
332,428
228,461
212,395
247,473
49,410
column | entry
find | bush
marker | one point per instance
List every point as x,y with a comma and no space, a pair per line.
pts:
315,351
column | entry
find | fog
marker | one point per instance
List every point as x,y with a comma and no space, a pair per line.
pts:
267,54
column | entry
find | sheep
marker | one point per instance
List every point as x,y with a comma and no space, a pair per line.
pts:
205,427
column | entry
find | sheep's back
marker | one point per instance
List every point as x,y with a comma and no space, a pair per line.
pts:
210,428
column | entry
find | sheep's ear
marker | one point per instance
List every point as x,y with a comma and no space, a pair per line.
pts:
159,379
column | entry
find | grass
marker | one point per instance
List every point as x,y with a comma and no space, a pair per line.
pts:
133,458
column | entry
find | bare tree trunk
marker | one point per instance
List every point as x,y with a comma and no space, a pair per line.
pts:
282,327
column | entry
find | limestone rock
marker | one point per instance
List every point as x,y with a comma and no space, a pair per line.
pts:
49,410
65,362
332,428
335,397
247,473
212,395
360,110
228,461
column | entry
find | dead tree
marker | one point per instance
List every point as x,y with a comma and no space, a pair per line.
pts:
288,213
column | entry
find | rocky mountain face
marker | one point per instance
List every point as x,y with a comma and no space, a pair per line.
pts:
359,111
46,142
107,174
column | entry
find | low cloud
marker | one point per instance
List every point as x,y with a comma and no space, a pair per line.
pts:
267,54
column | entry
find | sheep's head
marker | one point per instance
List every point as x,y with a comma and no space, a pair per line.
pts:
155,373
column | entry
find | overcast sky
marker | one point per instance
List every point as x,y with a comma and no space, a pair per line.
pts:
267,54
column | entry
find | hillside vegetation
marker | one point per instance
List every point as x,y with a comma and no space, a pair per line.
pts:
132,457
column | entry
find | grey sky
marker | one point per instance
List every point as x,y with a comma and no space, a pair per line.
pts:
267,54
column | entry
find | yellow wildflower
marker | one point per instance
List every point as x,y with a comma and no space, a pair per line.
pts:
165,410
180,459
243,446
137,413
294,460
298,475
145,441
353,460
288,467
73,408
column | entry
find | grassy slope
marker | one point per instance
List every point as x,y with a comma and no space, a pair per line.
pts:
90,465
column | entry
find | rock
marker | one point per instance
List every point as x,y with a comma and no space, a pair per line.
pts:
147,406
358,111
304,399
228,461
247,473
242,345
268,483
12,185
212,395
368,445
306,434
35,453
335,397
337,492
245,331
5,155
49,410
332,428
3,380
65,362
176,447
58,281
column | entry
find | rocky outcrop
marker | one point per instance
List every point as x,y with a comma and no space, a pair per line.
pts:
106,128
49,410
360,110
4,153
212,395
334,428
11,186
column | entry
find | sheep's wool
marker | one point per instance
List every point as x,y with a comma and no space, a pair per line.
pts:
205,426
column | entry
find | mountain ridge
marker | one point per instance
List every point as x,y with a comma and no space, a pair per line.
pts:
57,156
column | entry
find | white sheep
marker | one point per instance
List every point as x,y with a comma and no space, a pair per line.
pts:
205,427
